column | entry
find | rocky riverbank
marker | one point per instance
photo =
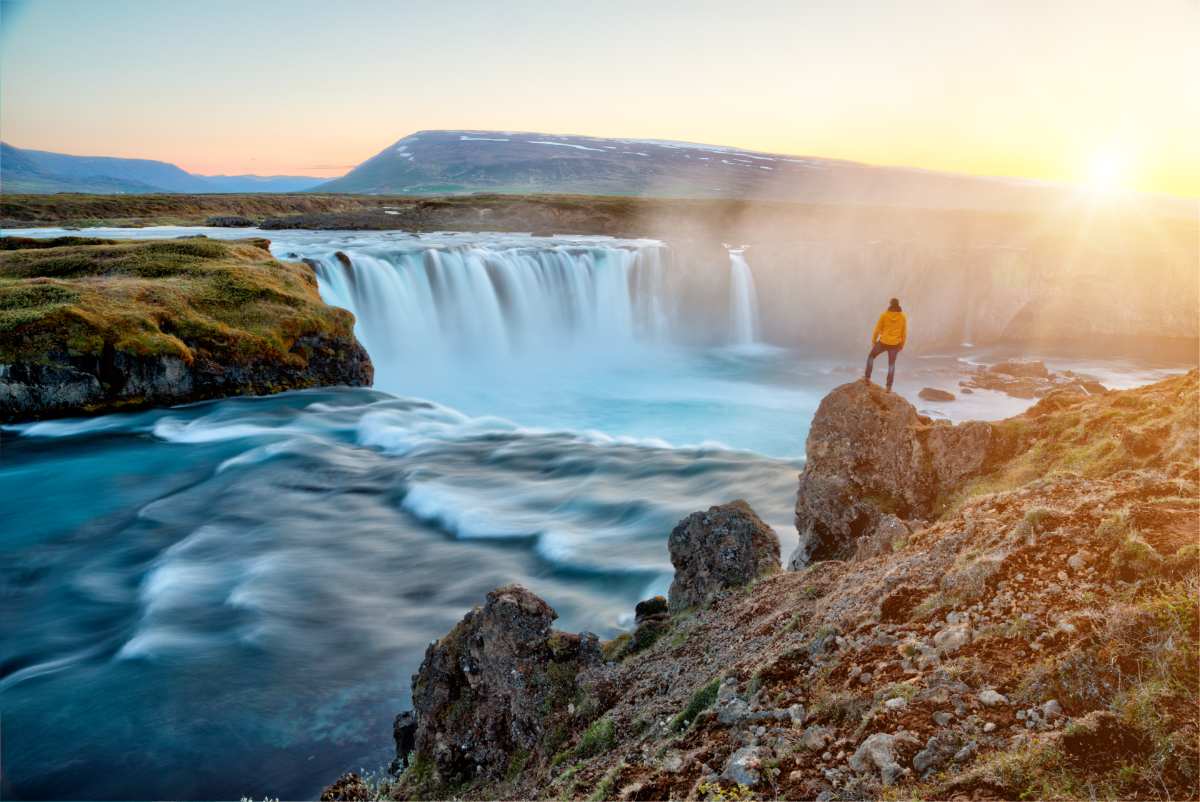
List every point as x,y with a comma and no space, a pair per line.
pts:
92,325
990,610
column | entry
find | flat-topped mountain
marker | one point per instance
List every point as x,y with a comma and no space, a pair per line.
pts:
444,162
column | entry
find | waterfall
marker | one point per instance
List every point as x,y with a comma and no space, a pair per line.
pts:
433,304
743,301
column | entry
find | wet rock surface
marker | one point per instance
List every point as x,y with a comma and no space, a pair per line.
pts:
1029,379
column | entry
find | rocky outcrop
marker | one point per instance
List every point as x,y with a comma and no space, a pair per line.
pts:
873,463
1030,379
89,326
496,685
71,384
721,548
1033,637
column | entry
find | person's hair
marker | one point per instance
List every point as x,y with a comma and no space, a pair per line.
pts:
894,305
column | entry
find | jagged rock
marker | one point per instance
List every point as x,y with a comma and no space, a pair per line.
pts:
650,608
1034,369
934,394
730,708
939,749
404,733
651,619
878,752
870,454
743,765
718,549
347,788
957,453
483,691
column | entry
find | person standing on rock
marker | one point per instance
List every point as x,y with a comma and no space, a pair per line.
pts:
889,335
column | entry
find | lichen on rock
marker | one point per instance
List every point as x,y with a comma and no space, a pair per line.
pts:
721,548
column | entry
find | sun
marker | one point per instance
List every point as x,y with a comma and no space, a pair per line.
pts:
1107,170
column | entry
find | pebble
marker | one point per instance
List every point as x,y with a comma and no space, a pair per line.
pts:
942,718
1051,709
896,703
990,726
991,698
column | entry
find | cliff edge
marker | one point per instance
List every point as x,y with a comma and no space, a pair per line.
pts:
92,325
1024,625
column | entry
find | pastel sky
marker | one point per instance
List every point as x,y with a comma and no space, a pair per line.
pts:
1073,91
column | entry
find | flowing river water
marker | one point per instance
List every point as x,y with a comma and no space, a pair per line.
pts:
228,599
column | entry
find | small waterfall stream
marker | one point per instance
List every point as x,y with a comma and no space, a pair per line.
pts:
743,301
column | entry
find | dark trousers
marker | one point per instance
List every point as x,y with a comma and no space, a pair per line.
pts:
877,349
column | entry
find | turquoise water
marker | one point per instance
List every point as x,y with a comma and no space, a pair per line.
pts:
228,599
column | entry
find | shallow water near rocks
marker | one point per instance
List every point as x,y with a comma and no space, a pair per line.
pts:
228,599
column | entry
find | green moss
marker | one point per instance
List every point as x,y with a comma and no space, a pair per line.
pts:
516,764
607,785
597,739
701,700
230,301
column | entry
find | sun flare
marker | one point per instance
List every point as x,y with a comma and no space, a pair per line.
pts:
1108,170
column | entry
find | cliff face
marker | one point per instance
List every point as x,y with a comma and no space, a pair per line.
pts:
1036,636
91,326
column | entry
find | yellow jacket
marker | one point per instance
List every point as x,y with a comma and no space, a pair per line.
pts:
892,329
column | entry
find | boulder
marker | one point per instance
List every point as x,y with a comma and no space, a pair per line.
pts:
869,454
1033,369
991,698
939,750
483,691
718,549
348,788
743,766
934,394
878,753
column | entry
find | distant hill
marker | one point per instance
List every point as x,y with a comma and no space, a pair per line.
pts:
40,171
448,162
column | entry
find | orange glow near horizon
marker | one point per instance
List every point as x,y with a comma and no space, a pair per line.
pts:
1024,90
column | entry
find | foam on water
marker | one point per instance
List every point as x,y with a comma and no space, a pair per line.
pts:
254,580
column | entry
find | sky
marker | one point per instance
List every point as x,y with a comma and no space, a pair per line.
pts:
1086,91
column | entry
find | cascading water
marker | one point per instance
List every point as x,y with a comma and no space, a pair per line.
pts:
743,301
424,303
546,409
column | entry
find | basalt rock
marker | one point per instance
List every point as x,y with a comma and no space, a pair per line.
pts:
721,548
495,685
873,461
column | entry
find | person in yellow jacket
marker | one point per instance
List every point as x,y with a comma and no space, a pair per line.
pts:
890,333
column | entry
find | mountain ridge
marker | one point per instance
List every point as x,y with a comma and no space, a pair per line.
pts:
41,171
462,161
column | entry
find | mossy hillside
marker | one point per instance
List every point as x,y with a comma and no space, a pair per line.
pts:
1149,427
230,301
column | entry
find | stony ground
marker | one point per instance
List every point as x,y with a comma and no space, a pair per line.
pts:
1039,639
